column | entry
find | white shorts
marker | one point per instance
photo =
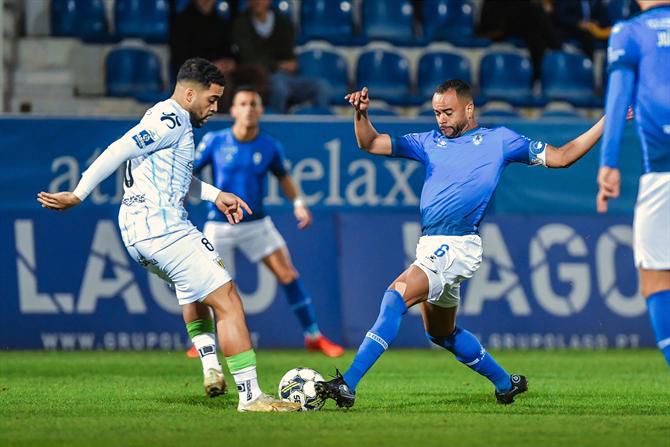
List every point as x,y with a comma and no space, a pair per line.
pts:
257,239
448,260
186,259
651,227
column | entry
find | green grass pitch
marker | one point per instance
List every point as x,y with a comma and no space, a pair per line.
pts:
411,398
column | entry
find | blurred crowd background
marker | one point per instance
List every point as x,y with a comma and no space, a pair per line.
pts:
525,58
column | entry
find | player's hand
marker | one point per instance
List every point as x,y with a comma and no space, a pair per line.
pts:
231,206
303,216
609,187
59,201
359,100
630,114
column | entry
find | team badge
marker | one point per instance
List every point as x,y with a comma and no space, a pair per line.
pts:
477,140
258,157
441,141
229,152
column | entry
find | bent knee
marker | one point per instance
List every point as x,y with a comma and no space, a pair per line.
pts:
287,276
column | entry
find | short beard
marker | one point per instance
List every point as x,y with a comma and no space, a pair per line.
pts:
195,122
458,131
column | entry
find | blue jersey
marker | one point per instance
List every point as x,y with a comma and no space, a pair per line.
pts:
240,167
462,173
639,74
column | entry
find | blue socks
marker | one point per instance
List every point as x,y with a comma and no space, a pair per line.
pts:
469,351
378,339
301,305
658,305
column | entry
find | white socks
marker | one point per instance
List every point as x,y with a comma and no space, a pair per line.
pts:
247,384
206,346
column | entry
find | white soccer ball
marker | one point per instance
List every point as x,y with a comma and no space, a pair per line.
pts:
297,385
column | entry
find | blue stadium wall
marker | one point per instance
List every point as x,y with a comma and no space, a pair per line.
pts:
555,274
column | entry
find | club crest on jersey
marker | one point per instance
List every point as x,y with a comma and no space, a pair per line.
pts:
258,157
477,140
143,139
441,141
229,152
537,147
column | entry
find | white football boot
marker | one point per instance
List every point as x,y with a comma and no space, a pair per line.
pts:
265,403
214,382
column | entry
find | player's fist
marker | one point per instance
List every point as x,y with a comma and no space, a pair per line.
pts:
58,201
359,100
231,206
609,187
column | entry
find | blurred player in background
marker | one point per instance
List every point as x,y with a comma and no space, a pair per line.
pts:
241,157
159,153
639,74
463,164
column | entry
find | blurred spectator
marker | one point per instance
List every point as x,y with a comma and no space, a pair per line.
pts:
581,20
198,31
264,37
527,20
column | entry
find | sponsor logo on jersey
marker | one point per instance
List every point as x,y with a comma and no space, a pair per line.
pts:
143,139
171,120
131,200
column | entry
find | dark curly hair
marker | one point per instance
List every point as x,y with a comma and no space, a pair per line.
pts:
201,71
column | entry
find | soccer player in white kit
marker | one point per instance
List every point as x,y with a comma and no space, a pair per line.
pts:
241,157
639,74
159,154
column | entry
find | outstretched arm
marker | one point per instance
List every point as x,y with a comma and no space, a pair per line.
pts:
103,166
566,155
367,137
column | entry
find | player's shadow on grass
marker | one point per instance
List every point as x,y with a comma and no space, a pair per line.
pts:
221,402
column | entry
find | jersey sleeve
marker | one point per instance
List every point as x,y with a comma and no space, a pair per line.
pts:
150,135
154,132
277,165
622,50
203,153
409,146
518,148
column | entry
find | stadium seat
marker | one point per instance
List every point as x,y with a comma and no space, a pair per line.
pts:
381,111
144,19
133,72
561,113
499,113
329,66
450,20
84,19
283,6
568,77
331,20
506,77
389,20
436,67
386,74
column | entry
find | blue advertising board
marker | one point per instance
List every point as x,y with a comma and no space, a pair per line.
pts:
549,279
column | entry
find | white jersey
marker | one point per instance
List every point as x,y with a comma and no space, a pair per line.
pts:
159,153
156,182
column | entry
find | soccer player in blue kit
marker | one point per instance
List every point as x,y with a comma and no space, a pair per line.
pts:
241,157
463,163
639,74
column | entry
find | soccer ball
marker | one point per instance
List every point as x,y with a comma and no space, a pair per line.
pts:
297,385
